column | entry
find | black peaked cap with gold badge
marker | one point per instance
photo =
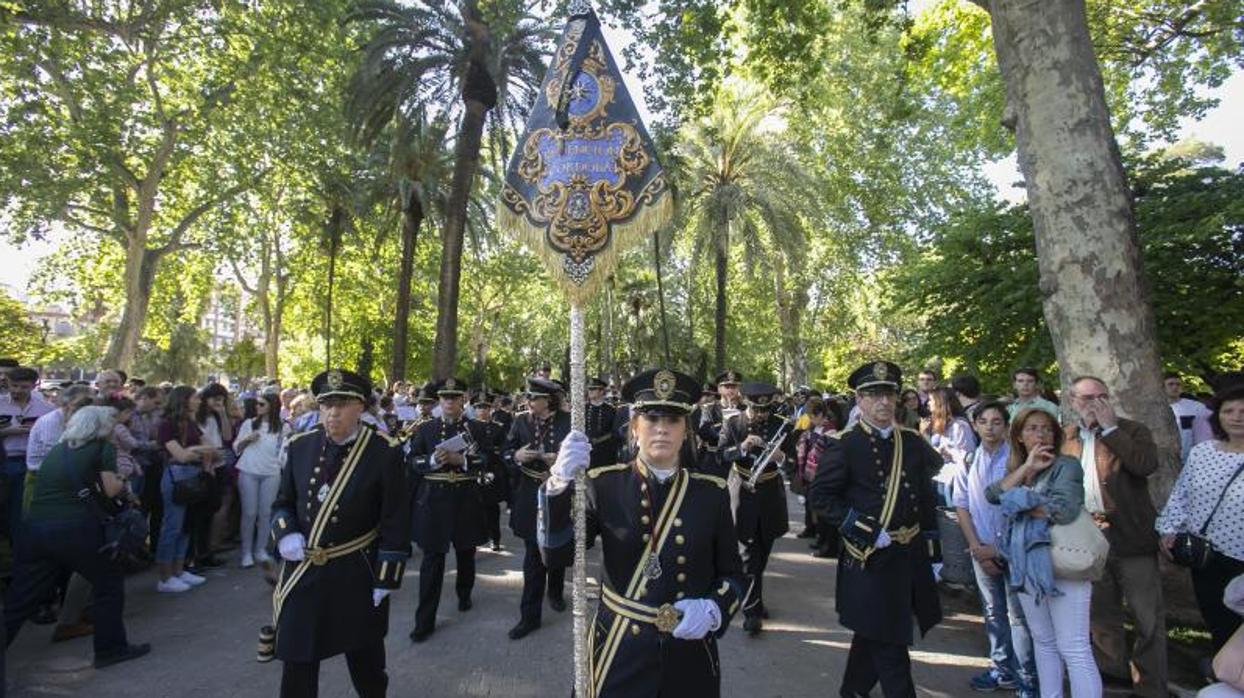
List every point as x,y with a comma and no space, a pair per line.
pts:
876,374
542,387
660,391
450,387
338,382
597,382
758,394
426,393
728,378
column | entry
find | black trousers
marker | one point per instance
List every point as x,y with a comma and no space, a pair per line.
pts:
870,661
302,679
492,515
1208,585
432,579
534,576
48,549
755,559
152,501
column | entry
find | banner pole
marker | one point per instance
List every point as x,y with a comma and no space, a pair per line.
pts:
577,422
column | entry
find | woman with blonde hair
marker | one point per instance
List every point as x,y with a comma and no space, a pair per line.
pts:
1043,489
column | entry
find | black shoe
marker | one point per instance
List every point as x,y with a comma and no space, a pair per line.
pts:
523,629
123,655
764,613
807,533
420,634
496,546
752,626
209,562
557,603
44,616
464,603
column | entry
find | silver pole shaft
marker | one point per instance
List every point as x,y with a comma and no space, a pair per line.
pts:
577,419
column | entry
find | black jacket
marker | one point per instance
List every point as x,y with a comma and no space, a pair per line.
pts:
525,478
447,510
759,514
877,597
329,609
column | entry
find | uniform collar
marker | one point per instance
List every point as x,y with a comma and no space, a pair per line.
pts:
871,428
348,440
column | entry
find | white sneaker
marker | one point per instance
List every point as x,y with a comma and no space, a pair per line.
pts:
172,585
190,579
248,562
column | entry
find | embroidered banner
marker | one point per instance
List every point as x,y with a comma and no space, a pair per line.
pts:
584,181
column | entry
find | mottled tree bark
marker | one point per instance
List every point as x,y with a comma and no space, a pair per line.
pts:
1095,299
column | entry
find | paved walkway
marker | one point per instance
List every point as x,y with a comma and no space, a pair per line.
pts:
204,642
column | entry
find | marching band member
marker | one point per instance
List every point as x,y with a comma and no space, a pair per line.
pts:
341,521
672,573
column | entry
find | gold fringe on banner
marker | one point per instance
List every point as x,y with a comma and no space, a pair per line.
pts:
640,226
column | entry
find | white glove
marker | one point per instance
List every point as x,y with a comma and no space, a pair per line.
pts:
573,456
378,595
883,541
293,547
699,618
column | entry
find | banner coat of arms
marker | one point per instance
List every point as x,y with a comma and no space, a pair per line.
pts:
584,180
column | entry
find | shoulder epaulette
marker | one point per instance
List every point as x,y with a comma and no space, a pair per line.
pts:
596,472
710,478
298,435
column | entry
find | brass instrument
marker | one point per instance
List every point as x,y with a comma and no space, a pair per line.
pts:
766,454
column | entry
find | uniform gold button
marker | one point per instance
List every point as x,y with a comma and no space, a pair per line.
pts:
679,539
334,519
643,503
312,481
647,537
316,470
677,522
634,629
682,559
644,519
682,576
679,595
880,473
906,484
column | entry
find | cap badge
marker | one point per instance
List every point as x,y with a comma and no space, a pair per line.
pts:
451,385
663,384
881,371
334,379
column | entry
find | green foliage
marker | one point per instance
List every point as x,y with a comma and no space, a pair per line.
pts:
181,360
243,360
20,337
975,285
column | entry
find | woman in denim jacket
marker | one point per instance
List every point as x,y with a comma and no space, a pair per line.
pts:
1043,489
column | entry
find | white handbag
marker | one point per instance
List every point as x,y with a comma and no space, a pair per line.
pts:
1078,549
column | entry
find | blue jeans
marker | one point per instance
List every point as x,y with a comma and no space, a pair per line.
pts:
174,542
1010,645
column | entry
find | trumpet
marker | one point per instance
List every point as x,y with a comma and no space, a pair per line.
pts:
766,454
483,475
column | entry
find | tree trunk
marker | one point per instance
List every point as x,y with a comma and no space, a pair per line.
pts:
140,269
790,305
466,159
412,218
721,262
1094,294
334,247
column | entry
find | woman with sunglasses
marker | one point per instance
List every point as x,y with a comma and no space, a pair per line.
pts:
258,446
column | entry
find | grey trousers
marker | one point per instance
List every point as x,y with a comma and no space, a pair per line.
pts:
1136,581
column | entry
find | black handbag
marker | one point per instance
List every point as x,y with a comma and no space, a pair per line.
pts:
193,490
1194,550
125,527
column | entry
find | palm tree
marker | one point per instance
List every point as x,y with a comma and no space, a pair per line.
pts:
455,61
742,185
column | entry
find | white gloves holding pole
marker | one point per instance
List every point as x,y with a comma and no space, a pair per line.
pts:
573,457
699,618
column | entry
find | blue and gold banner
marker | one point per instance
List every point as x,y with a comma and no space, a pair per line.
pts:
584,181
